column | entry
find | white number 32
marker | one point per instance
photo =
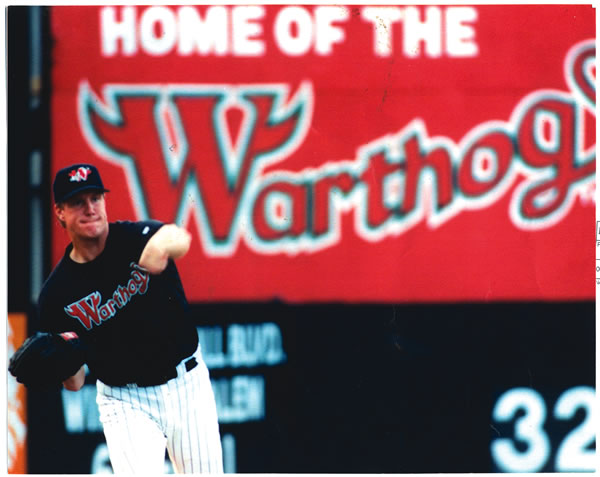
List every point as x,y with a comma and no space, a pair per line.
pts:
572,455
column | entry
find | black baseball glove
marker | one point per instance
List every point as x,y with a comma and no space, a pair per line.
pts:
45,360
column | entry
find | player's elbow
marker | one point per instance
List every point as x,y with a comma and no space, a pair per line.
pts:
177,240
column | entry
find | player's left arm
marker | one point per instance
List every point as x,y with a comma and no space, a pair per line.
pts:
170,241
75,382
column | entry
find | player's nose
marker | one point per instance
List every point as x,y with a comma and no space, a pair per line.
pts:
88,206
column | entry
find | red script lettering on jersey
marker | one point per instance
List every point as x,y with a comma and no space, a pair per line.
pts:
88,309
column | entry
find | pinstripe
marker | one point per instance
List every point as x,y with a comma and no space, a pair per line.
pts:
184,406
204,443
195,424
213,437
183,426
143,394
201,424
127,411
122,401
163,400
165,404
174,435
206,422
135,403
155,400
173,427
149,411
114,407
197,421
179,428
138,401
160,399
195,446
189,425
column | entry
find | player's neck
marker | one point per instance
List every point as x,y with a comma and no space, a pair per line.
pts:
87,249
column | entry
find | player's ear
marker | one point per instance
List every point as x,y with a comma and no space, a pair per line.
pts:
59,210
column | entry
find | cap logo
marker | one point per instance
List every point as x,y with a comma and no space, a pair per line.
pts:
69,335
79,174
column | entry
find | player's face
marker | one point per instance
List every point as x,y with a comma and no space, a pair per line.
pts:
84,215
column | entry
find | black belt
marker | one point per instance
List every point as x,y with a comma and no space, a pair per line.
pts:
165,376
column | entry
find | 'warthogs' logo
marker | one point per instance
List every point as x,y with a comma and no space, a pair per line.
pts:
202,150
213,142
90,312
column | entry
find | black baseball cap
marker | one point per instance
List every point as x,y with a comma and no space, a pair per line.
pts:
74,179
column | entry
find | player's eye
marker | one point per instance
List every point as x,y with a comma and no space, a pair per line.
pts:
77,203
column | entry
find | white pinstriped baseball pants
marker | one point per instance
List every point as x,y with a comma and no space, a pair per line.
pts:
180,414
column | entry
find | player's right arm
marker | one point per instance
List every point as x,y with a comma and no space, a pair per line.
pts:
75,382
169,242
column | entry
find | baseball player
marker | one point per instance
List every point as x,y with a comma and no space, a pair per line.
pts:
118,290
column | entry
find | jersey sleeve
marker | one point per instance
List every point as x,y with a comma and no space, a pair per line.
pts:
140,232
46,315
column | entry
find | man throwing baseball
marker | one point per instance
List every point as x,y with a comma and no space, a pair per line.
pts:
118,290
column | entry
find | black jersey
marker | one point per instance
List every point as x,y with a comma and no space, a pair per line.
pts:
135,324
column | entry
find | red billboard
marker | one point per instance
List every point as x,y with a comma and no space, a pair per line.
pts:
342,154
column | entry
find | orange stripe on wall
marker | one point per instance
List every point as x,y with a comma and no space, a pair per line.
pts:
17,400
